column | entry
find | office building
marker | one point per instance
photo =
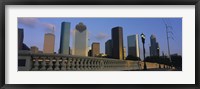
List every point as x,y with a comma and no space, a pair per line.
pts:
117,43
80,40
20,38
108,48
133,45
154,48
49,42
95,49
65,38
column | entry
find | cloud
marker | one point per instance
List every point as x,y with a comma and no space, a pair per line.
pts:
48,27
102,36
29,22
34,22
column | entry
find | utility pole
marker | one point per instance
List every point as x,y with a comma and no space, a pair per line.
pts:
167,34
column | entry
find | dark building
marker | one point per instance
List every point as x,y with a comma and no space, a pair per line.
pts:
154,48
90,53
117,43
20,38
108,48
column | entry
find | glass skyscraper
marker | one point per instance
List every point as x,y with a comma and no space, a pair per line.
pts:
80,40
154,48
64,38
133,45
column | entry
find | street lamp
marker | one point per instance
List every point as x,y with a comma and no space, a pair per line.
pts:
143,41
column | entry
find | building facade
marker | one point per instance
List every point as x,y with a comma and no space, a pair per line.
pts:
154,48
65,38
125,53
49,42
34,49
20,38
108,48
133,45
80,40
117,43
95,49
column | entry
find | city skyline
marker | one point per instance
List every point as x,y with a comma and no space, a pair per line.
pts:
102,36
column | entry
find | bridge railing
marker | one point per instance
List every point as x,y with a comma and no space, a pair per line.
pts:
28,61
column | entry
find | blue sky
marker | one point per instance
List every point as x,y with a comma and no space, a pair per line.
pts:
100,31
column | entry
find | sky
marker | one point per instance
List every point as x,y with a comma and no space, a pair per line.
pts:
100,31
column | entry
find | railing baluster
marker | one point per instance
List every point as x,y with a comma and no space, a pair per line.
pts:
36,64
50,64
57,64
63,64
43,64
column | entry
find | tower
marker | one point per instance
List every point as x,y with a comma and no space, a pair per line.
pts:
65,38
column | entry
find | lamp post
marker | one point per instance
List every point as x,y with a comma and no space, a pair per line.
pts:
143,41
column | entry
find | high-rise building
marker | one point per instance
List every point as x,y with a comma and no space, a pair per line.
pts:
20,38
80,44
154,48
34,49
133,45
124,53
95,49
117,43
49,42
65,38
108,48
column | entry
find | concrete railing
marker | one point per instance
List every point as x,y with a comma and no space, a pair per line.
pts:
28,61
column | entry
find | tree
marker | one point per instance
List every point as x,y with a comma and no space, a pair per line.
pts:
134,58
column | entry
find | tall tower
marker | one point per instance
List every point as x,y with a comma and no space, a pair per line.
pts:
20,38
80,44
95,49
133,45
49,42
117,42
154,48
65,38
108,48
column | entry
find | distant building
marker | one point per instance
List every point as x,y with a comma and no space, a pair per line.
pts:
90,53
65,38
49,42
20,38
154,48
95,49
108,48
34,49
117,43
80,44
133,45
124,53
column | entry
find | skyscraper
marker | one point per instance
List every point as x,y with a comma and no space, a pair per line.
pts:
64,38
20,38
117,43
95,49
133,45
80,44
154,48
108,48
49,42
